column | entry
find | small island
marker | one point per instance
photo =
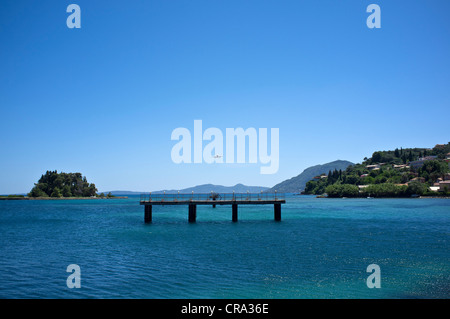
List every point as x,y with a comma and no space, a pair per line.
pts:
54,185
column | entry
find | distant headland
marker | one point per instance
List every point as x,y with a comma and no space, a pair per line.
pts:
412,172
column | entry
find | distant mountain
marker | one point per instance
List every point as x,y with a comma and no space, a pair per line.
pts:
298,183
208,188
205,188
122,193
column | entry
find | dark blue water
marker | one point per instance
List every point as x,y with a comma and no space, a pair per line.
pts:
320,249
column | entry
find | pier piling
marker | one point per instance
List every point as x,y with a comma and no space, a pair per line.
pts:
277,212
148,214
192,213
235,212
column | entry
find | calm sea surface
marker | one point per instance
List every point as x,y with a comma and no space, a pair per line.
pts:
320,249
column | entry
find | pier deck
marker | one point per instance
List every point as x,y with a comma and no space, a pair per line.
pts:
213,199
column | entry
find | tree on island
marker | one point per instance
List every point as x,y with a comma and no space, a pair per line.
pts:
56,193
54,184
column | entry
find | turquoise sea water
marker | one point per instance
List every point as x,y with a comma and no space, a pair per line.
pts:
320,249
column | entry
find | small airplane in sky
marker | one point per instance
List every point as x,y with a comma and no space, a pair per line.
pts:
218,156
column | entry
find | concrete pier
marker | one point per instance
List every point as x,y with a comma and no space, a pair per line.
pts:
192,201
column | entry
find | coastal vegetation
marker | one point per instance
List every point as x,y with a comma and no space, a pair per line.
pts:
109,195
57,185
397,173
12,196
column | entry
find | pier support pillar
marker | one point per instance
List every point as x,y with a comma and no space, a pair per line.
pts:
235,212
214,205
148,214
192,213
277,212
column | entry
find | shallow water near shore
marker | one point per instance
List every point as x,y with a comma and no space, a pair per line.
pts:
320,249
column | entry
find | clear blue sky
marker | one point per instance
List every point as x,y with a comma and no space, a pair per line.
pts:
103,100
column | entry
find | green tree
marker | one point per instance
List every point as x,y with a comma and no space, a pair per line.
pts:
380,179
342,190
56,192
36,191
416,188
66,191
384,190
352,179
368,180
89,190
350,190
376,157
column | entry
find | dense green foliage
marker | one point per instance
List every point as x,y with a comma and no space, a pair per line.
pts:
54,184
387,179
109,195
403,156
342,190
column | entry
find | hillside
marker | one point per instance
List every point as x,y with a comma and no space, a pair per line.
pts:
298,183
398,173
238,188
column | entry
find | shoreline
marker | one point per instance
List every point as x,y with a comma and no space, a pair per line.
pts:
60,198
419,197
